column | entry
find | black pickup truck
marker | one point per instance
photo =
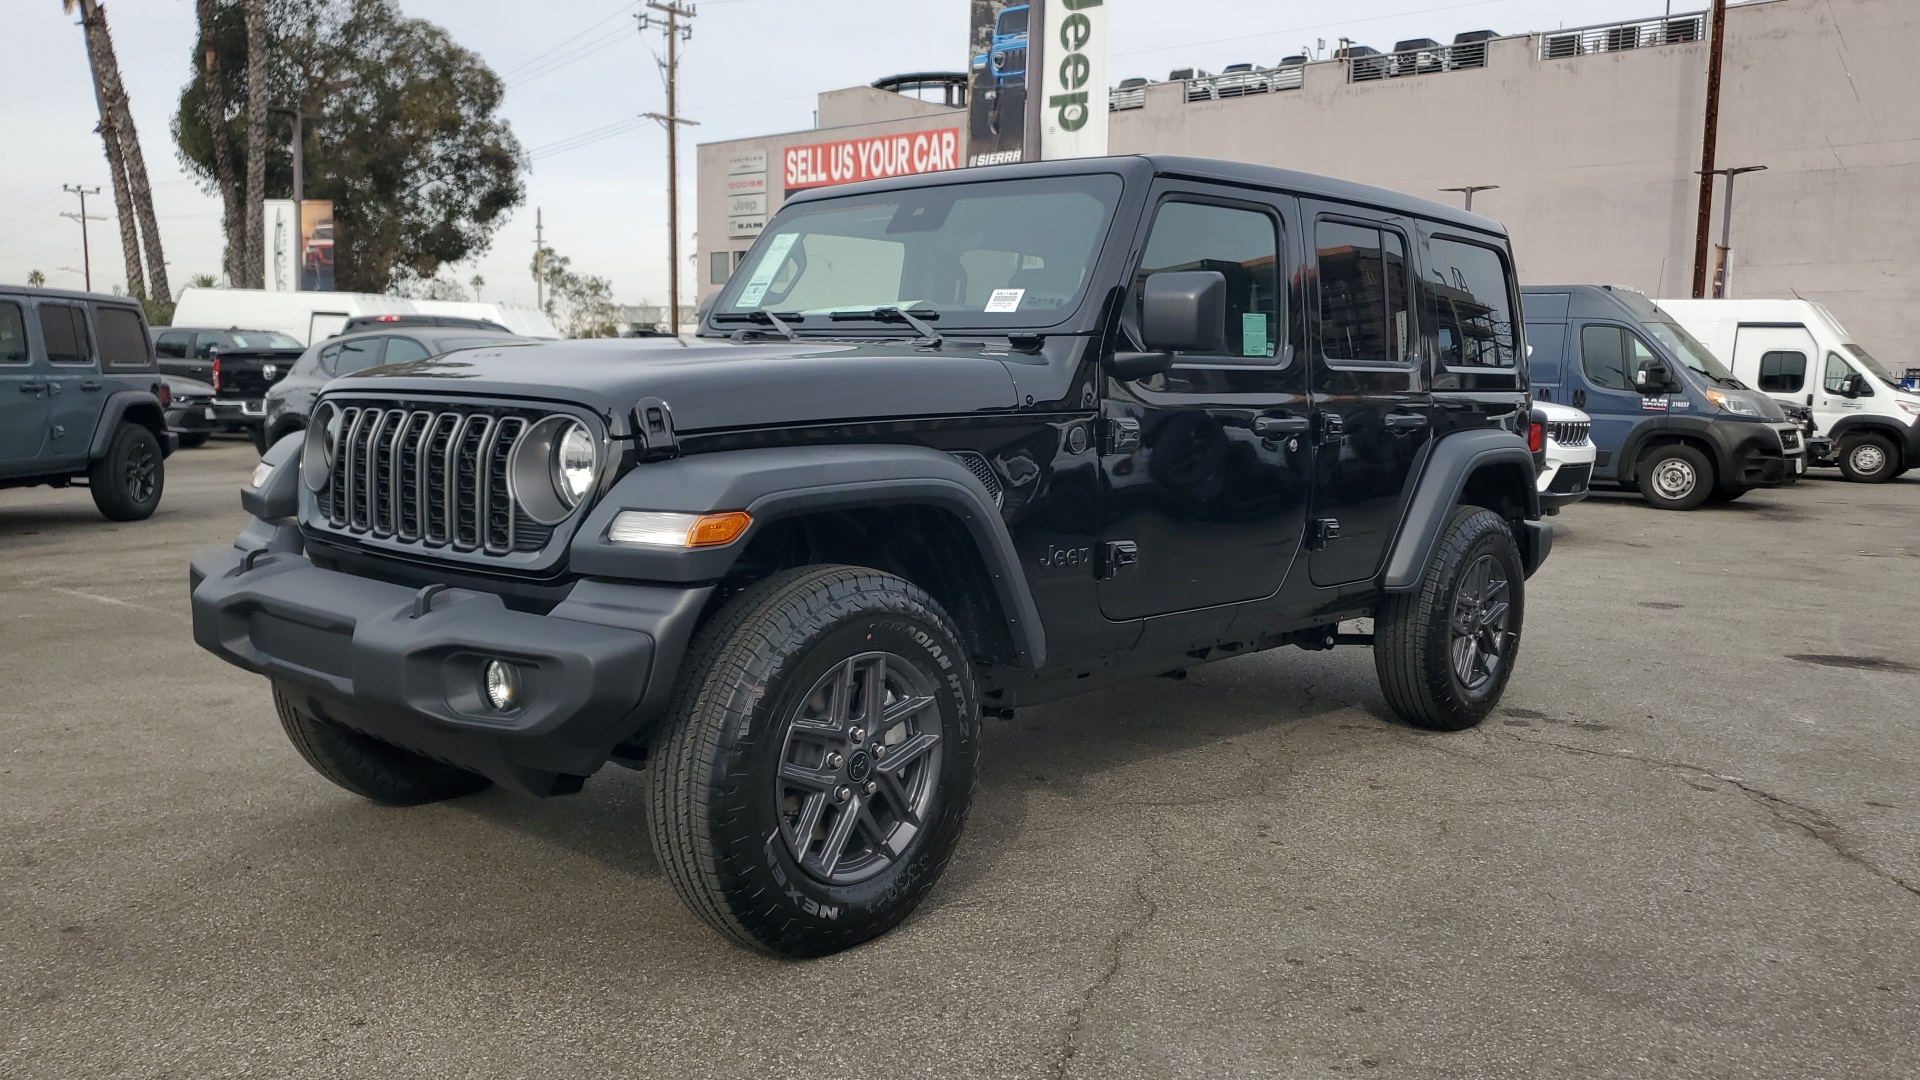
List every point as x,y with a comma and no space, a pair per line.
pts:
239,364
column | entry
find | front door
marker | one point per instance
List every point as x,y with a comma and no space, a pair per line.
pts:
1781,361
1609,353
23,395
1373,405
1205,469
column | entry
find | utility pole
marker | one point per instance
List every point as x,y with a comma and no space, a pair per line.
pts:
299,196
539,260
86,249
1707,147
1723,279
675,32
1469,190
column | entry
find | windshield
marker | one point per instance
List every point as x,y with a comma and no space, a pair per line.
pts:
1006,254
1690,352
1012,21
267,339
1867,361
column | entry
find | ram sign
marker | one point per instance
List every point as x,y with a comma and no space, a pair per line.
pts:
853,160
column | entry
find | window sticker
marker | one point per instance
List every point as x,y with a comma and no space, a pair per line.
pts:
1005,300
1253,334
763,273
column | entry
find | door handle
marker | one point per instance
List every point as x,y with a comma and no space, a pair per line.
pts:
1579,399
32,387
1272,427
53,389
1404,423
90,385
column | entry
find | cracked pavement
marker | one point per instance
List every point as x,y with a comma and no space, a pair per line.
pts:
1674,852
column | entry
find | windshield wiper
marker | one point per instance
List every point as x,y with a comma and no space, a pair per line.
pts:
897,314
779,321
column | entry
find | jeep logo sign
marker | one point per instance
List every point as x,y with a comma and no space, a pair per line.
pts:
1074,62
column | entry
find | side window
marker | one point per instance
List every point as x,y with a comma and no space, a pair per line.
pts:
1837,372
1783,371
13,335
1603,356
1363,292
204,344
329,360
64,327
172,346
1466,296
719,267
123,341
1244,246
400,350
358,355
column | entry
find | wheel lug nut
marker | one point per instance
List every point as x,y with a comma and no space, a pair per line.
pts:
872,787
859,735
834,761
880,751
842,794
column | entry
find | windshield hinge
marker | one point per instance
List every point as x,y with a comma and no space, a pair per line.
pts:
653,423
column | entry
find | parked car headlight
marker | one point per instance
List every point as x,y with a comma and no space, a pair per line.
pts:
1738,406
554,467
323,439
1911,408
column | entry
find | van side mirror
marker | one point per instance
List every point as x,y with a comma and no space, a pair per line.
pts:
1653,377
1180,311
1856,386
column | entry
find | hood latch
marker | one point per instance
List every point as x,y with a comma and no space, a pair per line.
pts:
653,423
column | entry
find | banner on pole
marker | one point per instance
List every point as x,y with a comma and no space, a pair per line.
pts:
1073,106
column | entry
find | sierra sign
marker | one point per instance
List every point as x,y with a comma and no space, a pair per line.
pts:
853,160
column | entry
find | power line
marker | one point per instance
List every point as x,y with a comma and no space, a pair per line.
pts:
532,61
568,59
86,248
675,32
587,138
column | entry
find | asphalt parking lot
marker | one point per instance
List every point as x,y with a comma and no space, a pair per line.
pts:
1688,845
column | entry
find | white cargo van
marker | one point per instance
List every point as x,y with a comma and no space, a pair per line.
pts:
1797,352
315,316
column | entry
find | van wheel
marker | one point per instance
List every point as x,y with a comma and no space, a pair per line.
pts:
1675,477
818,761
1726,495
1444,651
127,480
1869,459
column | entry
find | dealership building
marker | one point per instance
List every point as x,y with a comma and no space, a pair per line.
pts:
1587,143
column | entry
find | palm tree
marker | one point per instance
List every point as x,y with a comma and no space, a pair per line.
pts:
132,194
256,14
213,113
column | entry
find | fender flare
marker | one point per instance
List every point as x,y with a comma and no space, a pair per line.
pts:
773,484
1451,462
116,408
1907,439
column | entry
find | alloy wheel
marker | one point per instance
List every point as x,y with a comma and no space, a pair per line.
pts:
858,768
142,474
1481,632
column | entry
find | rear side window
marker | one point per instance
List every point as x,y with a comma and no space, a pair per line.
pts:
204,345
172,346
1466,296
400,350
123,341
1363,292
1609,355
64,328
358,355
13,334
1783,371
1243,246
449,344
329,361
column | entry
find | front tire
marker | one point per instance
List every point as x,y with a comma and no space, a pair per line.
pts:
1675,477
1869,459
818,763
368,767
126,481
1445,650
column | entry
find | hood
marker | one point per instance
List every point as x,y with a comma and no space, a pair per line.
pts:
1557,413
713,385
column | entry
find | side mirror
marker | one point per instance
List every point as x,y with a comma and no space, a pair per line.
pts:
1652,377
1180,311
1856,386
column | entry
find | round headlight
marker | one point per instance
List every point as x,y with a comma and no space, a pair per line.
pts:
573,463
553,468
323,438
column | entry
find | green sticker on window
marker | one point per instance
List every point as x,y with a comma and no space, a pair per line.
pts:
1253,334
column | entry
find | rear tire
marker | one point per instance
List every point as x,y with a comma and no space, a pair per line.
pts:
1445,650
128,479
1675,477
1869,459
785,812
368,767
258,432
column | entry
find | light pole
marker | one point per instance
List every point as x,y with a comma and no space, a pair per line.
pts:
86,249
299,196
1723,282
1469,190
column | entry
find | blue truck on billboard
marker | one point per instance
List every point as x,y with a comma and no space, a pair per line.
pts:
998,94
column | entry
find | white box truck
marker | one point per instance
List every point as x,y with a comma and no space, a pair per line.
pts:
1796,351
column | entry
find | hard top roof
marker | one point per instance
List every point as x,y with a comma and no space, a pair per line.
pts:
68,294
1139,167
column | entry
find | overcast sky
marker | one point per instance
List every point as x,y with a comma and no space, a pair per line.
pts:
572,69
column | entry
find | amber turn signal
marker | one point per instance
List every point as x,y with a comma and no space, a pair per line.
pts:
713,530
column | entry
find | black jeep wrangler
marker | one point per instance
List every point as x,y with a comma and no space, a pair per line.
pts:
944,446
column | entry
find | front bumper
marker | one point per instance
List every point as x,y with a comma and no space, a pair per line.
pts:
384,660
218,414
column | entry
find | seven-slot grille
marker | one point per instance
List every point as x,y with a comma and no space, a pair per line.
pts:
1790,440
434,477
1569,432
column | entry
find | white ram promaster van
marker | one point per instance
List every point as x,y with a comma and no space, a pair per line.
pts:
1798,353
314,316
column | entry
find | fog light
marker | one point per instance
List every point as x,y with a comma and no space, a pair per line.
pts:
503,685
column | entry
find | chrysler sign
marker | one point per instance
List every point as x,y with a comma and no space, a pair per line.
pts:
853,160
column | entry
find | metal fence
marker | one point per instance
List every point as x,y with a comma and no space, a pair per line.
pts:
1620,37
1205,86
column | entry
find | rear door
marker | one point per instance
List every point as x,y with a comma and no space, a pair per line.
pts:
1373,407
72,364
172,348
23,393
